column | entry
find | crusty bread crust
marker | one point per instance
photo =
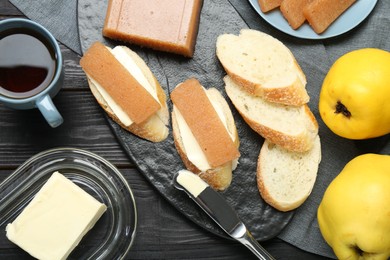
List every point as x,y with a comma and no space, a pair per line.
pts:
220,177
301,183
294,94
155,127
298,143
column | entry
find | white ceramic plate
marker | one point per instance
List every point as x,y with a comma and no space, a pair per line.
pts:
347,21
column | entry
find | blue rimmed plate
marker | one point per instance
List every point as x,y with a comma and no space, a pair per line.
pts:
346,22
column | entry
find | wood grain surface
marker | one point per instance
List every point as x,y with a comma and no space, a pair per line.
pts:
162,232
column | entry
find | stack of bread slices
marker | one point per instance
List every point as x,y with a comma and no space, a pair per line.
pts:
268,88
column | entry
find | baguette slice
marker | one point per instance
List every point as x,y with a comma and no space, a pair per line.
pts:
293,128
219,177
285,179
264,66
155,128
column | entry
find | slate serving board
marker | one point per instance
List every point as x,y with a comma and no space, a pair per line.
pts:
160,161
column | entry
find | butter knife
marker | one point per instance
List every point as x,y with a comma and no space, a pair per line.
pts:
219,210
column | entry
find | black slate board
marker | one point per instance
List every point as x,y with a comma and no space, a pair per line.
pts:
159,162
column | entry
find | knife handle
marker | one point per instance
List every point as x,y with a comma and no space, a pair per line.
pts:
219,210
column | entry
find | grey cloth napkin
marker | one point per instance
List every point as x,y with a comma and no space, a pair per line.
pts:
315,58
58,16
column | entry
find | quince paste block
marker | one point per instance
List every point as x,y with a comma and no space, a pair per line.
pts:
165,25
55,220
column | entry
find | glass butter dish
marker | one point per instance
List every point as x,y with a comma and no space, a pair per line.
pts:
113,235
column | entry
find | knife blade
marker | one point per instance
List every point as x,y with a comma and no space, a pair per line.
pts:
217,208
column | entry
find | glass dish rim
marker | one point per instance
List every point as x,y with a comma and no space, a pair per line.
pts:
64,151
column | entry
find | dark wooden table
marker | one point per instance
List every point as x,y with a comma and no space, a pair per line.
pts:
163,232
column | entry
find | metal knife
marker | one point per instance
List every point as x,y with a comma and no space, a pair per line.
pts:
219,210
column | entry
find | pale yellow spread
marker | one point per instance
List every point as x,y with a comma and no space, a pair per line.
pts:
56,220
218,108
191,182
191,146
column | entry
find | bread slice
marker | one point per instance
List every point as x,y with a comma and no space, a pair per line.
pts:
155,127
218,177
292,10
293,128
285,179
264,66
322,13
268,5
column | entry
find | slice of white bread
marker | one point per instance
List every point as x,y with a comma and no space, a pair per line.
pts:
263,65
285,179
293,128
220,176
154,128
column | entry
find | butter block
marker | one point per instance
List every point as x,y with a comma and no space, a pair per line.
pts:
191,182
166,25
55,220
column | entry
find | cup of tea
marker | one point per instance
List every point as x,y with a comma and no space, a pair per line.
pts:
31,71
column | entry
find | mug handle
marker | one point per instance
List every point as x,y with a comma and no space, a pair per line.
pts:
49,111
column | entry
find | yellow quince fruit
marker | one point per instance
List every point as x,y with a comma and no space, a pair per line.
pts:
354,214
354,99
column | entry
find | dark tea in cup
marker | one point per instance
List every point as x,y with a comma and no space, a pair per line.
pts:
27,63
31,69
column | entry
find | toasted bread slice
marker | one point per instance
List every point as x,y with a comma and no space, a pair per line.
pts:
293,128
154,128
285,179
218,177
264,66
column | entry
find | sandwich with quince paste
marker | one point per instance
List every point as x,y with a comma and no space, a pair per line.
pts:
127,90
205,133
